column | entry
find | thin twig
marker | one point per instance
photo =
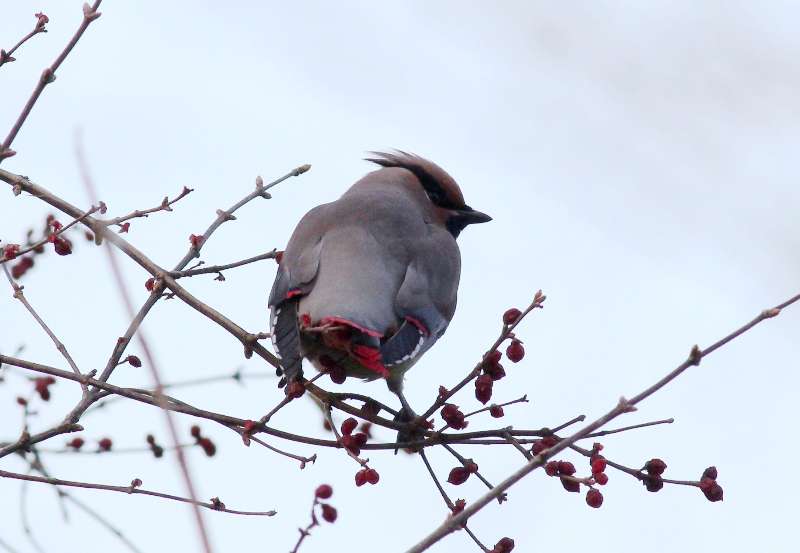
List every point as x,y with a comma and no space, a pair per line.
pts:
220,268
90,13
165,205
20,295
41,21
47,239
129,490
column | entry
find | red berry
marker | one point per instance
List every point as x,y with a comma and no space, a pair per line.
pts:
195,431
537,447
453,416
75,443
598,465
22,401
653,483
208,446
361,477
594,498
515,352
324,491
570,485
62,246
655,467
134,361
42,386
349,443
565,467
551,468
549,441
295,389
359,438
496,411
710,472
505,545
149,283
472,467
711,489
348,426
458,476
105,444
483,388
492,358
338,374
601,478
329,513
496,371
511,316
10,251
372,476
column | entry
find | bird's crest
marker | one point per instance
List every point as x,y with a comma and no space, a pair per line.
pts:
440,186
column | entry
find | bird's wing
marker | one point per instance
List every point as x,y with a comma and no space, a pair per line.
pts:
295,278
426,299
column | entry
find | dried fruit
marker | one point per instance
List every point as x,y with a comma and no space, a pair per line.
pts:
601,478
496,411
134,361
105,444
598,465
505,545
653,483
324,491
655,467
511,316
458,475
329,513
515,352
348,426
594,498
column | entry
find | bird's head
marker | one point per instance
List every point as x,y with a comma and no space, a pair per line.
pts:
442,191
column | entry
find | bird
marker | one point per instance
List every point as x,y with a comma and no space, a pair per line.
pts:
368,283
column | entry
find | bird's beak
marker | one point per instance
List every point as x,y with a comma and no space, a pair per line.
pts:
468,216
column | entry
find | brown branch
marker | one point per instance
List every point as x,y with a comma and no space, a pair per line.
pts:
129,490
90,13
632,427
622,406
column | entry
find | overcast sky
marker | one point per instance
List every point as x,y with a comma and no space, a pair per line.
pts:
640,163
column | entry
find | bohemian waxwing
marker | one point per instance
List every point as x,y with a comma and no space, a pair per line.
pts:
368,282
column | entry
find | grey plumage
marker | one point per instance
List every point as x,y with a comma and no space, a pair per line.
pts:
369,282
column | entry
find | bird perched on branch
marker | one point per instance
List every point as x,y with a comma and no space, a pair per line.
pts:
368,283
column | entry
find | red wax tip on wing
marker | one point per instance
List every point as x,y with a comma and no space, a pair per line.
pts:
339,320
417,323
293,293
370,358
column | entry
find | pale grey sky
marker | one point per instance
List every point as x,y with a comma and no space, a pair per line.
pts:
639,160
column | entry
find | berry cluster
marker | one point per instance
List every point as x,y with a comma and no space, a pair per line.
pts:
208,446
352,442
